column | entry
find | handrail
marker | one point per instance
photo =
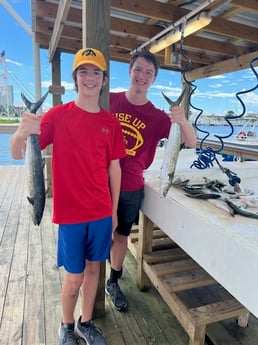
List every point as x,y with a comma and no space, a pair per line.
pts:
239,150
8,128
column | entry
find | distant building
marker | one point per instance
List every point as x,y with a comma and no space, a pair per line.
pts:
6,95
219,120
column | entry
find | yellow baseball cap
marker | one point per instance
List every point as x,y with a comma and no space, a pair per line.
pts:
89,55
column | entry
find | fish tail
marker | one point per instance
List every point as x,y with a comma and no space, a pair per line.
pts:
33,107
173,103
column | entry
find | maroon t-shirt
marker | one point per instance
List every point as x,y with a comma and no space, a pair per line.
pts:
143,127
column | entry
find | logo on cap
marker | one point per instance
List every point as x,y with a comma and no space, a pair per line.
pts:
91,56
88,52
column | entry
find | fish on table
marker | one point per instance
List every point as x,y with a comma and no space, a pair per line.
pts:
243,203
34,164
239,209
172,150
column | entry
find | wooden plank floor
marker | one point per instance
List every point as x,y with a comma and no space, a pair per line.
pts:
30,287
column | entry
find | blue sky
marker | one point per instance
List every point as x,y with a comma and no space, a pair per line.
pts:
215,95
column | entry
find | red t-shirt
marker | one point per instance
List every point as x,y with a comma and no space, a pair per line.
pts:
143,127
83,146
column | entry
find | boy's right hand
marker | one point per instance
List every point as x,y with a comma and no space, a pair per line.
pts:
30,124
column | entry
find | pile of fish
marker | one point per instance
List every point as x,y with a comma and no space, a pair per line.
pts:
242,202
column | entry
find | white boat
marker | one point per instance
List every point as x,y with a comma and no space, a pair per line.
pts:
247,135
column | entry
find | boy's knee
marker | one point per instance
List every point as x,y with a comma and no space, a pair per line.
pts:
92,267
74,281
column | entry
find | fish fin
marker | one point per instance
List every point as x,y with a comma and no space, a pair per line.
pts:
31,200
170,102
43,162
177,102
33,107
46,191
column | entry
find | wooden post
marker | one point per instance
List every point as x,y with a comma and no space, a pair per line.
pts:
199,336
145,237
96,34
56,99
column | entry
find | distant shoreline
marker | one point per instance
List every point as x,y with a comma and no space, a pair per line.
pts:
8,128
213,120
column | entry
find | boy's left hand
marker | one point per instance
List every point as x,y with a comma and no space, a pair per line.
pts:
178,115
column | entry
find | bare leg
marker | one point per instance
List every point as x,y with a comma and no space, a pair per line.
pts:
118,251
89,289
70,292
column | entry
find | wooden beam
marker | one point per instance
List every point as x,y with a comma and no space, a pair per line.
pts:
126,35
213,46
62,13
65,45
150,8
132,28
68,32
247,5
233,30
226,66
137,30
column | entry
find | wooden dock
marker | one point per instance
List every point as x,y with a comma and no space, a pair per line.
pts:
8,128
30,287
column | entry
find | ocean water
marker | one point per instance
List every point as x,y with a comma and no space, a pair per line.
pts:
6,159
224,130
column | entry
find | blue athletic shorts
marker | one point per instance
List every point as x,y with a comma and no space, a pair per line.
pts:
84,241
128,210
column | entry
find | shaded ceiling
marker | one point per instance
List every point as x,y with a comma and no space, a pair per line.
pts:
227,44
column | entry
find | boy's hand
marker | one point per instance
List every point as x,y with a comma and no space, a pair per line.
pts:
30,124
178,115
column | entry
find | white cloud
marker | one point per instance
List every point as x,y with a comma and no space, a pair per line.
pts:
14,62
216,86
217,77
67,85
117,89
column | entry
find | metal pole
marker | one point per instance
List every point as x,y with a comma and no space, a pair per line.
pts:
37,70
16,16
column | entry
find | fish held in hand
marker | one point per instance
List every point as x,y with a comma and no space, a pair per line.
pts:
34,164
172,150
170,159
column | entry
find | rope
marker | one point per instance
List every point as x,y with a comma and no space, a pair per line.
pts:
208,155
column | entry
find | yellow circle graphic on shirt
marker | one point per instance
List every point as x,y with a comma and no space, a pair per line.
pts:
132,132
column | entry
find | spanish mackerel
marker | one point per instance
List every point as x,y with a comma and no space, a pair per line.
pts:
35,166
240,210
172,149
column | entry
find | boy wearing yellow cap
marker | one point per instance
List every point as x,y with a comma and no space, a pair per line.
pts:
87,145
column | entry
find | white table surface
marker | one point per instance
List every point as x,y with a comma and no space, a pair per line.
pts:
225,246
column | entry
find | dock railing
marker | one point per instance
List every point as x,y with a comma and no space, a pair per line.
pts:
239,150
